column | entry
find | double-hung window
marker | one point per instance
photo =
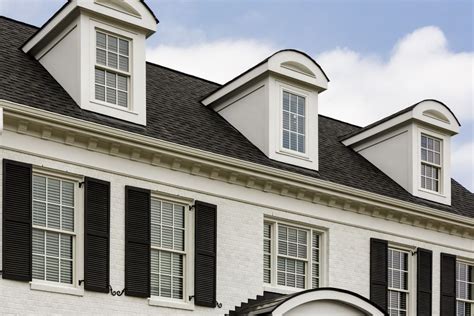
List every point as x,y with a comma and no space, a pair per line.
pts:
294,116
430,163
168,249
291,256
112,69
464,289
53,229
398,282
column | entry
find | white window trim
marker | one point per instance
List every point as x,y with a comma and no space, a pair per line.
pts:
433,165
273,286
442,166
188,263
78,241
97,26
468,262
302,93
117,71
411,292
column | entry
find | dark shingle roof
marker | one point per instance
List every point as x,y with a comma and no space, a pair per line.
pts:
175,114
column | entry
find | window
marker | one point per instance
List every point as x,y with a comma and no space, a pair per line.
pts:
397,282
464,289
294,130
167,249
112,73
430,163
296,262
53,229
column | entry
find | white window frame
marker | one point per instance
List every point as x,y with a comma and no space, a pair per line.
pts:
273,286
411,286
116,71
432,164
188,255
469,263
77,242
301,93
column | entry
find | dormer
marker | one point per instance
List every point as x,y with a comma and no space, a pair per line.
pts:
275,105
413,147
96,50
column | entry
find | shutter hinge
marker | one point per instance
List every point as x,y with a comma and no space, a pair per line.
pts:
81,184
80,282
192,207
219,305
191,297
414,252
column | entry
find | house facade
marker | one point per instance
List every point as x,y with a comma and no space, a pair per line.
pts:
132,188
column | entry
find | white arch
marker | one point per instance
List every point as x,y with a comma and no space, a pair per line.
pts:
330,296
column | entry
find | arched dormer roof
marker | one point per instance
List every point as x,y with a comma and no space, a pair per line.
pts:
290,63
428,111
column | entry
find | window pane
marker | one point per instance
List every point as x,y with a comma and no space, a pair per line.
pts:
286,120
123,47
53,216
301,126
167,237
37,267
293,103
301,143
122,98
123,63
112,43
39,188
68,193
100,93
53,191
66,271
68,218
100,39
39,213
111,96
286,101
178,239
66,247
111,79
301,106
167,213
293,141
101,56
52,269
52,244
100,76
38,241
286,139
112,60
122,83
155,223
179,216
293,122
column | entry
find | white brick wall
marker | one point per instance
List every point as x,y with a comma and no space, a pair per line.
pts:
239,240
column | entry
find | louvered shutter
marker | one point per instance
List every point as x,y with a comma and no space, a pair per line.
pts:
205,254
137,242
16,220
448,285
96,234
379,272
424,276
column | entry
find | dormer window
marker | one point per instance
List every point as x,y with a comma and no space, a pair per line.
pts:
112,70
294,131
430,163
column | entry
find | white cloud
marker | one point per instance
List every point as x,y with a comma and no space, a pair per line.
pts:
366,88
363,88
218,61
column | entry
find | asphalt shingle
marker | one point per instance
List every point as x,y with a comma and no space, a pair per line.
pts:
175,114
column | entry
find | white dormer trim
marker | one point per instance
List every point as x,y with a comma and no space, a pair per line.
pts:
253,104
287,63
394,146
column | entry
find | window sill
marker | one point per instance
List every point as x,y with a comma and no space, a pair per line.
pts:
56,288
115,107
431,192
170,304
293,154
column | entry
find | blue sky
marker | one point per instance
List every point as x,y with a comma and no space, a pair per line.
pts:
381,56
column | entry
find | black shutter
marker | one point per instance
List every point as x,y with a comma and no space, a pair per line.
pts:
205,254
16,220
379,272
448,285
424,276
137,242
96,234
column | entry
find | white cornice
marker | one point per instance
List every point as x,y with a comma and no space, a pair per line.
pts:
107,140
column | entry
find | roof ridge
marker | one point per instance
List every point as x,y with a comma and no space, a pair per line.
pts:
17,21
183,73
